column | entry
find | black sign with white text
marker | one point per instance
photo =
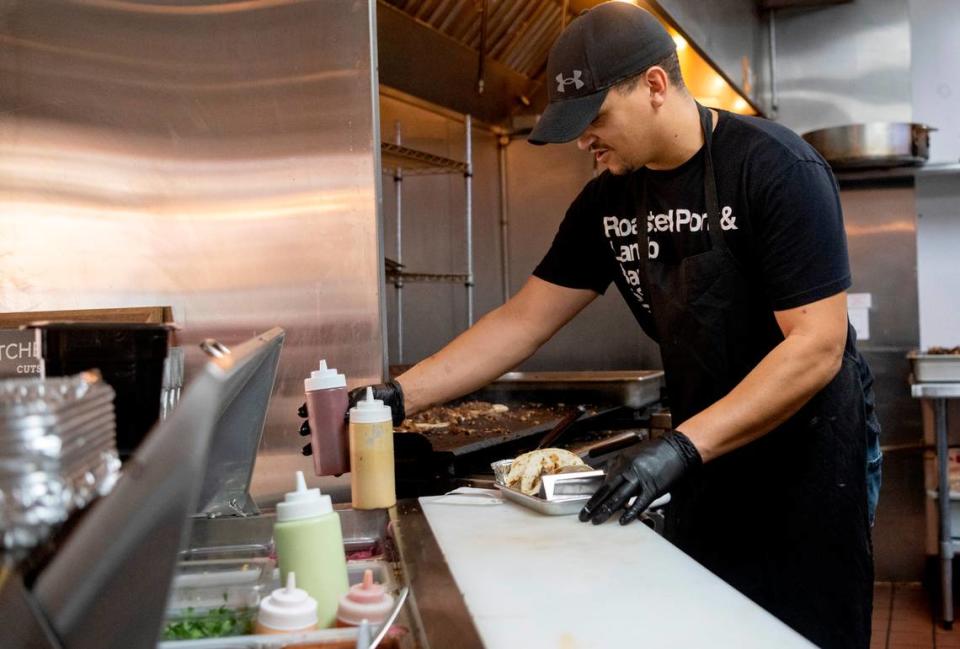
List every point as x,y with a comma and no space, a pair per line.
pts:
19,353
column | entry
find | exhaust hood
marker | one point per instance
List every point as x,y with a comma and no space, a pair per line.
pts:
447,37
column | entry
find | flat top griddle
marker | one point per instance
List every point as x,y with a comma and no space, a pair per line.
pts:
429,462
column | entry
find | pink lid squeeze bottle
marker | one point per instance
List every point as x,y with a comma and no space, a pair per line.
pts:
364,601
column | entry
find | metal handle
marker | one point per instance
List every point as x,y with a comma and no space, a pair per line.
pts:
401,598
215,348
561,427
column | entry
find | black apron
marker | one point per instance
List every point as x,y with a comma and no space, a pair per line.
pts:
783,519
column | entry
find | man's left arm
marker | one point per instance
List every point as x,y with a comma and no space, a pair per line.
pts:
801,365
807,360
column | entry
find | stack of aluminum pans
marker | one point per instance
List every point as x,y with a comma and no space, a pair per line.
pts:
58,452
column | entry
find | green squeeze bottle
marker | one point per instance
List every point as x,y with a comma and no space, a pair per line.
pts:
309,543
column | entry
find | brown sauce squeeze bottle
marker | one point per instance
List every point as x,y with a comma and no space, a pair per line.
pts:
327,403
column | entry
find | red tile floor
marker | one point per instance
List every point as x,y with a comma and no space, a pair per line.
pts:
903,618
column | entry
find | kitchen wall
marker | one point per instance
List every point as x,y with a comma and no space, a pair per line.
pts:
843,64
938,239
218,159
936,101
935,47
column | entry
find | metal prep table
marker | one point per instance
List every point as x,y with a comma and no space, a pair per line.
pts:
939,393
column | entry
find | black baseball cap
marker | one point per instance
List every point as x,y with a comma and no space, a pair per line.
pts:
599,49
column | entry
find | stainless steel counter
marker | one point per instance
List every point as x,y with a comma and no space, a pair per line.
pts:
436,599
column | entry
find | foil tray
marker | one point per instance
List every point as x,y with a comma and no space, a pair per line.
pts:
935,368
560,506
57,453
565,506
556,505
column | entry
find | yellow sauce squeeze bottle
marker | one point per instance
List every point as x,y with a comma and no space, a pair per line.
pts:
371,454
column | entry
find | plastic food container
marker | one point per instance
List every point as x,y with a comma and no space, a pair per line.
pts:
935,368
217,598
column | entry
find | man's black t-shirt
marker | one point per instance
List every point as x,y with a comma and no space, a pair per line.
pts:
780,215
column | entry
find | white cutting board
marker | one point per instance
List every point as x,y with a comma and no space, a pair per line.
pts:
533,581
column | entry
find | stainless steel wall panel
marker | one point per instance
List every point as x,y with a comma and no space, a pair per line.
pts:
938,241
881,229
935,78
844,64
881,225
219,157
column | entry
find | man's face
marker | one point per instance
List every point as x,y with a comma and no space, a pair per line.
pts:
620,136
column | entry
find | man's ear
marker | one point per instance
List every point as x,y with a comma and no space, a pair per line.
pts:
657,82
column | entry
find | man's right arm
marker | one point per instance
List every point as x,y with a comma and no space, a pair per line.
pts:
498,342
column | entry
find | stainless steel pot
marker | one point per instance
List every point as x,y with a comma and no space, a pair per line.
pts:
877,144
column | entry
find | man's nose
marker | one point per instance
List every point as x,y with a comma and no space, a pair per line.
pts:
585,141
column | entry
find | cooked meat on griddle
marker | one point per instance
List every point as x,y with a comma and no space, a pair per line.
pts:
474,417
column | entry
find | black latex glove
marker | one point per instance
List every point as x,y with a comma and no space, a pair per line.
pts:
647,472
390,393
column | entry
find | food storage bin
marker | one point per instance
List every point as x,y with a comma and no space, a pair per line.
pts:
216,598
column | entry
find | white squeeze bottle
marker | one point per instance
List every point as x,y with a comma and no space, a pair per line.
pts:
287,610
371,454
309,543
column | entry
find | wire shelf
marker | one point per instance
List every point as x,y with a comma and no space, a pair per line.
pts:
455,278
417,163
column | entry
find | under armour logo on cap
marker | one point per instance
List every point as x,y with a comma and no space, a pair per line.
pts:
566,81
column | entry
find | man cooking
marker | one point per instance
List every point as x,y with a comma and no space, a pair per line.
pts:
725,236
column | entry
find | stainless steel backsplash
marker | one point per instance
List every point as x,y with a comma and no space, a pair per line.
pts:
218,157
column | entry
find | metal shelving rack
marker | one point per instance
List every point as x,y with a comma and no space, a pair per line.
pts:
400,161
939,393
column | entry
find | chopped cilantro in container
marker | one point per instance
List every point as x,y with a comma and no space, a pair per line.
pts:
214,623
